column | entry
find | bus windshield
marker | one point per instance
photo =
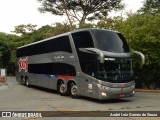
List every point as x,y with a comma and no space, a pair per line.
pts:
110,41
116,70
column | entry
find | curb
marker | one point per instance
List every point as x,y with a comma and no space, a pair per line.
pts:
3,84
145,90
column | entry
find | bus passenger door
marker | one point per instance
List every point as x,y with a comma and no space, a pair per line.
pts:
87,81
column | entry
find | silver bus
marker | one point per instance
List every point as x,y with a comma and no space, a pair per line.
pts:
95,63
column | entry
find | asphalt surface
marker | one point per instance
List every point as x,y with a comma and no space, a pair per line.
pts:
16,97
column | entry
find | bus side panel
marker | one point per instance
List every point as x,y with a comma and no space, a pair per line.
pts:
32,79
88,87
45,81
52,83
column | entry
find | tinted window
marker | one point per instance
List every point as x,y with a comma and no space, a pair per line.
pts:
116,70
87,60
52,68
110,41
82,39
53,45
89,67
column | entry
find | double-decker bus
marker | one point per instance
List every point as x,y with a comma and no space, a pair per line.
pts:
95,63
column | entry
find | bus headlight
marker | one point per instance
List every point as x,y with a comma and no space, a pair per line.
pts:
102,87
133,86
107,88
99,85
103,94
133,92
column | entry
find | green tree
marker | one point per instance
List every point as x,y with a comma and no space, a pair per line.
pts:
59,28
151,6
47,31
4,55
23,29
4,41
110,23
142,32
7,51
80,10
13,42
40,34
43,32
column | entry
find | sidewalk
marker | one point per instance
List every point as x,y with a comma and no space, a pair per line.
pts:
3,87
147,90
1,84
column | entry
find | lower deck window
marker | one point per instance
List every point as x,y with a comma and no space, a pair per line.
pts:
52,68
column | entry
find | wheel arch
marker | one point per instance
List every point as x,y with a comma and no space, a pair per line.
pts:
58,82
70,82
26,77
22,78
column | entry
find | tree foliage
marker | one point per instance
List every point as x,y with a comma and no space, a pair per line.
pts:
8,44
4,53
151,6
80,10
142,32
23,29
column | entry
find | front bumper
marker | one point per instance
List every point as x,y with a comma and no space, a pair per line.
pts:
116,93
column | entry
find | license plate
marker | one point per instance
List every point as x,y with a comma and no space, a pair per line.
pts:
122,85
121,95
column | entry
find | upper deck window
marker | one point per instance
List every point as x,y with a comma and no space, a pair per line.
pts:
82,39
53,45
110,41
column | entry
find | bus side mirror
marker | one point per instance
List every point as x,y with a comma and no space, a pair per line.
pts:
141,55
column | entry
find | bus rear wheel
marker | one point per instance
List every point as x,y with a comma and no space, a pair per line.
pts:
62,88
22,81
74,90
27,82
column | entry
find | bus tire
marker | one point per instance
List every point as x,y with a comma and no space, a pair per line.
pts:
27,82
73,90
22,81
61,88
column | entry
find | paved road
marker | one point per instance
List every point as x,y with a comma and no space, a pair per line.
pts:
16,97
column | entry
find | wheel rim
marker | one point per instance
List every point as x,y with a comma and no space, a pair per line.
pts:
62,88
74,90
27,82
23,81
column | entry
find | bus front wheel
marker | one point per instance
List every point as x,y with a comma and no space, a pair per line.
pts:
74,90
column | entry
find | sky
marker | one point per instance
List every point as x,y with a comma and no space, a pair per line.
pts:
16,12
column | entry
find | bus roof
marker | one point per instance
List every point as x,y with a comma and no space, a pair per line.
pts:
67,33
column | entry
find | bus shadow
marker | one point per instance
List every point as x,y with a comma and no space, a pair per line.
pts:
107,101
83,98
42,89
